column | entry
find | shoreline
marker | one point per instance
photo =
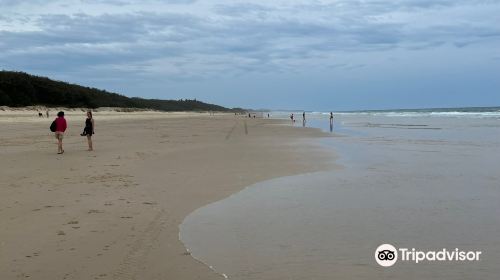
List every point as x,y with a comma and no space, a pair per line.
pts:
130,196
235,194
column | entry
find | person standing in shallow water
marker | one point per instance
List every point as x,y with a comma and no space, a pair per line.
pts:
89,130
61,126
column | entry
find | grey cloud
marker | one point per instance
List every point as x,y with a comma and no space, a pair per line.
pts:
237,37
83,41
108,2
11,3
131,2
58,30
241,9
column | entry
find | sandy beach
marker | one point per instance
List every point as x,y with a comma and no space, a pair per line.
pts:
114,213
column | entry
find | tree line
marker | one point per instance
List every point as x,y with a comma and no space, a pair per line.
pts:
18,89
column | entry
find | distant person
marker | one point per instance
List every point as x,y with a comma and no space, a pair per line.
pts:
291,117
40,114
47,113
331,118
304,116
89,130
249,115
59,131
268,115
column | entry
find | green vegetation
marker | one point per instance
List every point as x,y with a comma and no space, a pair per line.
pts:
19,89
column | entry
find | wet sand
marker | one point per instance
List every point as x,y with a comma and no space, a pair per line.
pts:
114,213
425,183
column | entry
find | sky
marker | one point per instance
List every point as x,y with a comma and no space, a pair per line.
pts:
314,55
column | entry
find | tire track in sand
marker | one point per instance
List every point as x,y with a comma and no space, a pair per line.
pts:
230,132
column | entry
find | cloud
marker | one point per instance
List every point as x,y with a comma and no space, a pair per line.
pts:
237,10
186,38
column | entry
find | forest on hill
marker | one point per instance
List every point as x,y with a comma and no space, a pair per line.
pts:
18,89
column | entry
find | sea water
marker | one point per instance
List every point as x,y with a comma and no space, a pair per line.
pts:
425,179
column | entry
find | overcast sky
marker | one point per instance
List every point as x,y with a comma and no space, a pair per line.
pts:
311,55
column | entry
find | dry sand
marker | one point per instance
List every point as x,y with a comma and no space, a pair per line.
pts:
114,213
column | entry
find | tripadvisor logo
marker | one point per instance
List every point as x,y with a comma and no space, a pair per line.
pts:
387,255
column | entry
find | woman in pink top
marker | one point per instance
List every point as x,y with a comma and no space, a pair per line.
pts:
60,129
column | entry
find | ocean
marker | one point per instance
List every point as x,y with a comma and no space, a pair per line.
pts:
419,179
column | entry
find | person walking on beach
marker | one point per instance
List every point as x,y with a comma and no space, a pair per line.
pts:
61,126
47,114
331,121
89,130
291,117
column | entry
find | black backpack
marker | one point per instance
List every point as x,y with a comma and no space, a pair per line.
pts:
53,126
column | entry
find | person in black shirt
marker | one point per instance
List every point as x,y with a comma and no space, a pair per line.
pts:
89,130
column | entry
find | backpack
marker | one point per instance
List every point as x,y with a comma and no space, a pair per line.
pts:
53,126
